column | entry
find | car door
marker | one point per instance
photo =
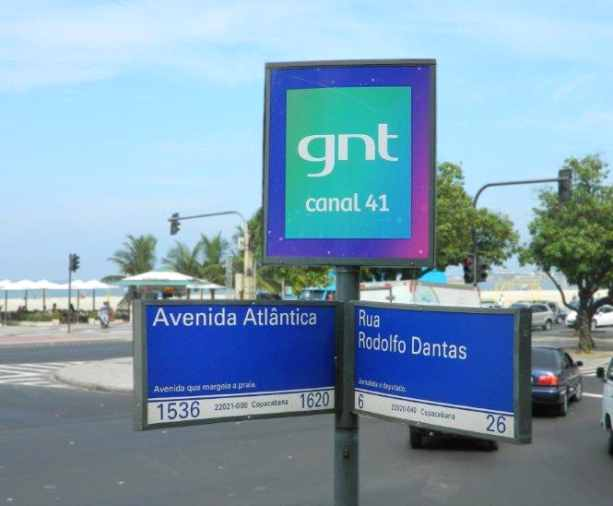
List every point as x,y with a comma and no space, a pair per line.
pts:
605,317
571,373
607,393
538,314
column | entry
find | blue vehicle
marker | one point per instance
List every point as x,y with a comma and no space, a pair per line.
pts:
556,379
319,294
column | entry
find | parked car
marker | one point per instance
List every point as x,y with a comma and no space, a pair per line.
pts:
542,316
606,420
602,318
556,378
558,313
490,304
419,436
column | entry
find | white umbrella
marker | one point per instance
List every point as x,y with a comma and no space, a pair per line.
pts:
23,285
158,278
93,285
45,285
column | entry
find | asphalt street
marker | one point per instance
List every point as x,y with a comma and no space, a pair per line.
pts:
565,337
65,352
74,447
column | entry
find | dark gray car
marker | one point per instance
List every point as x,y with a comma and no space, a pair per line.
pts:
556,378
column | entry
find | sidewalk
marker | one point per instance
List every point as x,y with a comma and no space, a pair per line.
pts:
115,375
112,375
58,334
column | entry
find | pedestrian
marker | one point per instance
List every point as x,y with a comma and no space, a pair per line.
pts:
104,315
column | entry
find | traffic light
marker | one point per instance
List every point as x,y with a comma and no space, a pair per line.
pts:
73,262
565,184
468,270
174,224
482,269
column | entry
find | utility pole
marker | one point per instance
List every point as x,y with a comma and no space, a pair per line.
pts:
346,461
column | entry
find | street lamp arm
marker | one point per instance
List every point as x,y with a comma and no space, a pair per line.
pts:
208,215
502,183
514,183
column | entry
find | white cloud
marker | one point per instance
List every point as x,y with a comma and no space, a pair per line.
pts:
45,44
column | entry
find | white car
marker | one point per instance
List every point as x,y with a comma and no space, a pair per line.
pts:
607,401
602,318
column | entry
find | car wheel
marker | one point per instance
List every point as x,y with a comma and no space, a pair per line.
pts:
611,442
416,438
548,325
563,407
578,391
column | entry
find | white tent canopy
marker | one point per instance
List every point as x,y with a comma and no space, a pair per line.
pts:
158,278
94,284
205,285
43,284
24,284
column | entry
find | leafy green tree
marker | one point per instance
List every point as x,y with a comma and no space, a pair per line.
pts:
455,218
136,256
576,238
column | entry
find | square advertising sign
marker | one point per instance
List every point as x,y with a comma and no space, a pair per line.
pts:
349,154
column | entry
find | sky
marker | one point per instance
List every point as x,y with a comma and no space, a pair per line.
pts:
115,114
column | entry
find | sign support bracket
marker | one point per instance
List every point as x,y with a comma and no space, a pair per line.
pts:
346,455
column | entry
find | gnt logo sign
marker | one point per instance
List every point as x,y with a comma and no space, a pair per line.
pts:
343,148
348,162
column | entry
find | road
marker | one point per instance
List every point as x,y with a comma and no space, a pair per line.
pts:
565,337
73,447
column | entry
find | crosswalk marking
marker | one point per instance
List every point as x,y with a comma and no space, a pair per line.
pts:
37,374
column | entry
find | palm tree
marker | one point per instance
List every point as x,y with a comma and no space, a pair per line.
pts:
137,255
212,251
182,259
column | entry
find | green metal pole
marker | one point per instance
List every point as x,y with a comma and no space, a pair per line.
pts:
346,472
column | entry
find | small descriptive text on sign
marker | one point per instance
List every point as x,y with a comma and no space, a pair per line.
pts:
447,369
217,361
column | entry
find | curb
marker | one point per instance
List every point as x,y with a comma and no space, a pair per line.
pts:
65,376
63,343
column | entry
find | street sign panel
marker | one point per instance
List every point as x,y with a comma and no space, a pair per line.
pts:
205,362
349,163
459,370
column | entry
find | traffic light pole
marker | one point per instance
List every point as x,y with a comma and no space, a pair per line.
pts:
565,176
69,313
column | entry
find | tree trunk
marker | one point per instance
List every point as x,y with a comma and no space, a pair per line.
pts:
584,320
586,343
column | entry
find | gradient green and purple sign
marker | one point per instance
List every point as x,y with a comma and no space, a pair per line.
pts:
349,163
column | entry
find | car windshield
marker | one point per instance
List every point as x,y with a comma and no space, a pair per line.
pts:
312,295
545,359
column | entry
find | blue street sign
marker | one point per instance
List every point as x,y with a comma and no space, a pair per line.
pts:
451,369
203,362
